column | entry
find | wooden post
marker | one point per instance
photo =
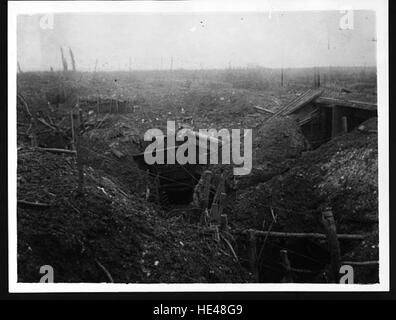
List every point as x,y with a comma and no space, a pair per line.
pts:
223,222
80,165
157,189
34,141
97,106
253,254
72,131
333,244
147,194
336,121
206,190
344,125
80,116
282,77
288,278
216,234
218,201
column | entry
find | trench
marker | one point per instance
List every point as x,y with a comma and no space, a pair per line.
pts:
175,187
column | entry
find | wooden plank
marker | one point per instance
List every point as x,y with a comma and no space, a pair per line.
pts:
261,109
296,235
307,99
55,150
360,263
348,103
34,204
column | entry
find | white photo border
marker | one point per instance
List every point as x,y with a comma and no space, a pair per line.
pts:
380,7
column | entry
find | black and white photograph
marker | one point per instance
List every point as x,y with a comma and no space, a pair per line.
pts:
193,145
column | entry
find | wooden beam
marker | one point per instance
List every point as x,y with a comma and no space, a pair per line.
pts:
348,103
34,204
360,263
264,110
55,150
296,235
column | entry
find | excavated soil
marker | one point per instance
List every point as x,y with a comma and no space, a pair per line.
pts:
111,229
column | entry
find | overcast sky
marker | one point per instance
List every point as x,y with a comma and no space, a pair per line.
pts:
202,40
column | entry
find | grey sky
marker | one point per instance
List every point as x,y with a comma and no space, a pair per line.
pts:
208,40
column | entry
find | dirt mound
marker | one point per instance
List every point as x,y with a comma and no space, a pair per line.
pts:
341,173
106,231
276,145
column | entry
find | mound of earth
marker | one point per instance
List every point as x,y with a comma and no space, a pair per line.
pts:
276,145
107,233
342,174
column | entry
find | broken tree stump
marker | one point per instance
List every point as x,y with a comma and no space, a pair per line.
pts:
333,244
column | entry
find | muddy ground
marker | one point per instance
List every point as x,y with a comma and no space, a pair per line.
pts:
112,232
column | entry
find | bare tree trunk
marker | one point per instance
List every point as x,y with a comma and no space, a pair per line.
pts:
73,61
64,62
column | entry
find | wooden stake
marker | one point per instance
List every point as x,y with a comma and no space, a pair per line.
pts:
223,222
72,131
157,190
216,234
253,254
334,246
207,182
286,266
79,158
97,107
34,131
218,201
